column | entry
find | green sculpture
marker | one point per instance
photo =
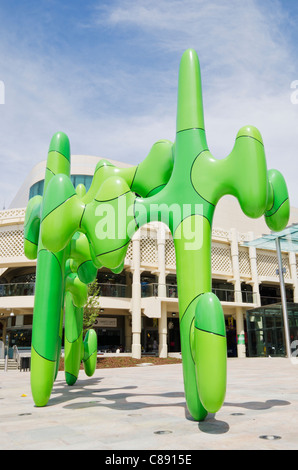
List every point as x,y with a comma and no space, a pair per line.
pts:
73,233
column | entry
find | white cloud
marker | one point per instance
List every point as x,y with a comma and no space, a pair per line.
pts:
118,109
246,63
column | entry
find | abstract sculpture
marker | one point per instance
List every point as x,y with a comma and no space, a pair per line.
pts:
73,233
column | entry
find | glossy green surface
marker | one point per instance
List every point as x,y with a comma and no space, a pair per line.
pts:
179,184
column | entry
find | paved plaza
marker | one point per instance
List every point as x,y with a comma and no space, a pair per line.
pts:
143,408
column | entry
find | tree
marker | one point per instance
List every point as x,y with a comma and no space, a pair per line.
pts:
91,308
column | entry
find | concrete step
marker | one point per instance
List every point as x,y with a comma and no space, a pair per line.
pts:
11,364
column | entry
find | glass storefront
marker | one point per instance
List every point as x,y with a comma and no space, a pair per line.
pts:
174,335
37,188
20,337
265,329
110,333
149,335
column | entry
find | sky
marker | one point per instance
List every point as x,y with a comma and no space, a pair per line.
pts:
106,74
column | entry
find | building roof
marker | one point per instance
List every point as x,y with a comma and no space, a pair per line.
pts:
228,213
80,165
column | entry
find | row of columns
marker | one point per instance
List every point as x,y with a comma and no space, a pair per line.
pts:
254,271
162,328
162,324
136,326
136,347
240,331
241,350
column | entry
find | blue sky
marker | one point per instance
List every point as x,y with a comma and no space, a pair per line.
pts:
105,73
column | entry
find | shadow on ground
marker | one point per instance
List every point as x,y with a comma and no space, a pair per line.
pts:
128,399
114,398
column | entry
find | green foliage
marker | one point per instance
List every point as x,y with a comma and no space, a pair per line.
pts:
91,308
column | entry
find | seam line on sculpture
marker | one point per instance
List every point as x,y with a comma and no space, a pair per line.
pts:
277,208
82,216
272,204
83,262
85,360
72,375
29,221
160,185
186,217
133,179
47,168
134,214
113,198
182,316
115,249
74,194
191,129
48,251
207,331
191,170
73,341
31,241
160,142
57,151
45,358
102,166
190,341
250,137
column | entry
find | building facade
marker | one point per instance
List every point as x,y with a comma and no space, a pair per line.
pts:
138,308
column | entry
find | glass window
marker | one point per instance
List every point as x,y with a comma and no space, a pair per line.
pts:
28,319
86,180
20,338
36,189
270,322
265,330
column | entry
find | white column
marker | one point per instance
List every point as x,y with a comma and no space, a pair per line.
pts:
283,298
136,348
241,349
127,324
161,235
235,264
254,270
162,331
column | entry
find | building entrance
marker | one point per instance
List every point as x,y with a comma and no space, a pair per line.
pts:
231,333
109,340
265,330
1,332
174,344
151,340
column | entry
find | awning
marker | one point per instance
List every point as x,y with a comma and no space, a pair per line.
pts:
288,239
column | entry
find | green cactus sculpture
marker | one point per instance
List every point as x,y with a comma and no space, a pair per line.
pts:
179,184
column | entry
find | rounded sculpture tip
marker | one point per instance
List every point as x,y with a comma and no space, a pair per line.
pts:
250,131
60,143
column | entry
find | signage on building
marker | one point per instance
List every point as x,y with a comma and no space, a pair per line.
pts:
102,322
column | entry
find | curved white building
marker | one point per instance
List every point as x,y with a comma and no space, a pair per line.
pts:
138,309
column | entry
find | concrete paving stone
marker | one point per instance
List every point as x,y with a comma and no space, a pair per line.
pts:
143,408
